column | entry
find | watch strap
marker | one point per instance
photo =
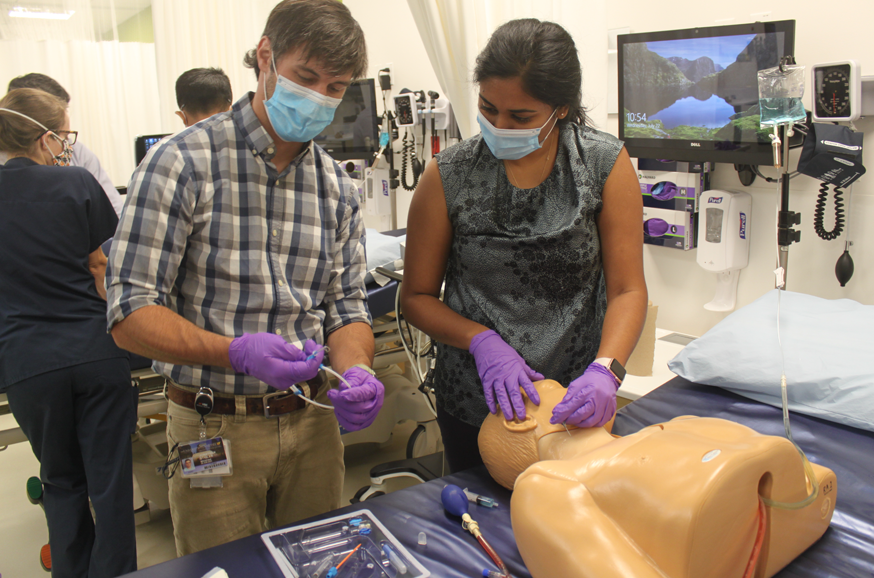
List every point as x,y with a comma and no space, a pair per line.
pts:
365,368
614,366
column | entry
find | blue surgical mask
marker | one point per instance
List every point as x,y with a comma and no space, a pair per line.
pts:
297,113
511,143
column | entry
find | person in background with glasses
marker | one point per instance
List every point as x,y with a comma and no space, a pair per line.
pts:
82,155
67,383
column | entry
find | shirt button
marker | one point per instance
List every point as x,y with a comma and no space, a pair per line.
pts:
270,151
254,152
275,232
279,332
281,283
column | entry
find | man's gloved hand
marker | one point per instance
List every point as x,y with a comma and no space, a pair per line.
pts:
590,400
271,359
502,372
356,406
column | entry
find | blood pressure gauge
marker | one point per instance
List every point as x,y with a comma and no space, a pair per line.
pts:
405,109
837,91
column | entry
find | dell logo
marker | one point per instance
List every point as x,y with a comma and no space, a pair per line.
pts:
695,144
743,226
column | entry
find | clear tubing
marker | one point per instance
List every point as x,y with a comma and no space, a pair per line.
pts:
323,566
296,391
492,554
337,375
808,469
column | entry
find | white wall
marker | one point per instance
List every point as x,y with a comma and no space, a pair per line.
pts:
392,39
676,283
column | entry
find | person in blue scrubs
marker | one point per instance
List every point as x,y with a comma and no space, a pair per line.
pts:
67,383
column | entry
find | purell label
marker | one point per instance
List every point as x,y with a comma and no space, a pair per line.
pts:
743,226
714,200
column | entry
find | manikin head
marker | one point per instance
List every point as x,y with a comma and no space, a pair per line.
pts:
508,448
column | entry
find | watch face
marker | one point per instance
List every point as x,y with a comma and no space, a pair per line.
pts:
832,91
617,370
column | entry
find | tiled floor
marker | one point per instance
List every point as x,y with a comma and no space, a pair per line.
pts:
23,529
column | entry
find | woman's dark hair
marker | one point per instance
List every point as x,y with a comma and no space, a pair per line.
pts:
325,29
543,55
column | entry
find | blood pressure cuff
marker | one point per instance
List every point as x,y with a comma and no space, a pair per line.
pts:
833,154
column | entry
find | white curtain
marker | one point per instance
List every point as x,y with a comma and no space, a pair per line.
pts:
203,33
112,85
455,31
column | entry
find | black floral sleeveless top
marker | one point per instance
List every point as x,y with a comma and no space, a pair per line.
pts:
524,262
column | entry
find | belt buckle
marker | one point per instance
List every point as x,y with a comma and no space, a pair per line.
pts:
266,401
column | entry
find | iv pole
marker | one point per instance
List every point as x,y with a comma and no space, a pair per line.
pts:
786,235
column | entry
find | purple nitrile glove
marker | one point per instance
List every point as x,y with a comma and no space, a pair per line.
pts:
590,400
502,372
271,359
356,406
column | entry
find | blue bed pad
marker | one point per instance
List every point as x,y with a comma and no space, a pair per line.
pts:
381,300
450,553
846,549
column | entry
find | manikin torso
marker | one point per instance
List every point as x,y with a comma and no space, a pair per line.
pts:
678,499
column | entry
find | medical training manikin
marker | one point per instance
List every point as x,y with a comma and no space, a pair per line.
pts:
679,499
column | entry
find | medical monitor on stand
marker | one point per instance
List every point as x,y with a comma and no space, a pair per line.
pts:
354,132
692,95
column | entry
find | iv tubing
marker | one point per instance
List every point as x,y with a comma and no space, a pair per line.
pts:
493,555
808,469
472,526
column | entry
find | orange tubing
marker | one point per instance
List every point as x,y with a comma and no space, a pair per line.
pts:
757,546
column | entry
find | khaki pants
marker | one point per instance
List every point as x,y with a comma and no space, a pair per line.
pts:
285,468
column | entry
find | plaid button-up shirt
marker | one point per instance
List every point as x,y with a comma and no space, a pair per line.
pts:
212,231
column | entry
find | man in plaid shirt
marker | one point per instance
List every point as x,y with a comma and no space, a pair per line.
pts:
239,254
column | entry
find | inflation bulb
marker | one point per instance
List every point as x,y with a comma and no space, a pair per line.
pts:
844,267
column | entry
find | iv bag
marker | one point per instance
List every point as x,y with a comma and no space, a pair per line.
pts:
780,92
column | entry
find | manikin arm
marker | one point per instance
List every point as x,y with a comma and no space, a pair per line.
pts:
561,531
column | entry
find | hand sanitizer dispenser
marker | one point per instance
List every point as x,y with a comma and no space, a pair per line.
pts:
724,242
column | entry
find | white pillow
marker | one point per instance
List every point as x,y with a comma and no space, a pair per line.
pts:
382,251
828,347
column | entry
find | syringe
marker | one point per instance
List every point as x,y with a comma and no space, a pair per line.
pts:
480,500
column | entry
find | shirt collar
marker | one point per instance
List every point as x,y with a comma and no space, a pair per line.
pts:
20,162
258,141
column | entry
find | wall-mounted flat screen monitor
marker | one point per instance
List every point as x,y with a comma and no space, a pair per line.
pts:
354,132
692,95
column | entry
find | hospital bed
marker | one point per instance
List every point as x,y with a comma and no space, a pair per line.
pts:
846,549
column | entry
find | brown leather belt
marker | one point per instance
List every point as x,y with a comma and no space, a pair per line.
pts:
268,405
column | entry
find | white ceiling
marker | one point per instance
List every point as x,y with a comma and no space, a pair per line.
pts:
101,10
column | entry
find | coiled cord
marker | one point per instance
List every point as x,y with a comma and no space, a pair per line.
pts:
408,154
818,214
